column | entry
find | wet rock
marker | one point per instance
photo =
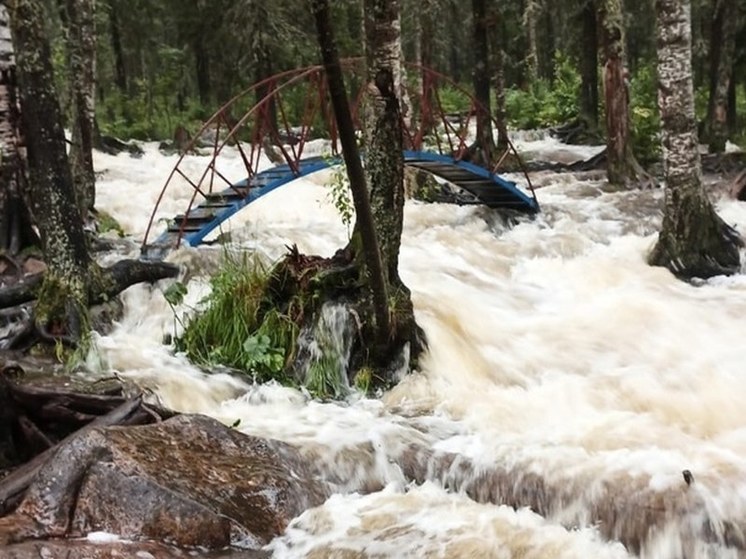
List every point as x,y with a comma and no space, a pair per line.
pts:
83,549
188,481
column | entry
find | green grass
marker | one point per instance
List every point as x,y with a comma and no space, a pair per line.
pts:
231,331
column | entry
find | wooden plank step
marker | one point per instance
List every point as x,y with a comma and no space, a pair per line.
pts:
229,193
198,214
175,227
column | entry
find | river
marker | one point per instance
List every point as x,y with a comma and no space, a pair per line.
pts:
562,370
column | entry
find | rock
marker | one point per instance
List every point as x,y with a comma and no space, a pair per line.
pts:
188,481
114,146
84,549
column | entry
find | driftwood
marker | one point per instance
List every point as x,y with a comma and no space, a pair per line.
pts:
724,163
40,419
577,131
598,161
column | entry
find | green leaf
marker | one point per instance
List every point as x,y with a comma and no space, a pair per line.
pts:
175,293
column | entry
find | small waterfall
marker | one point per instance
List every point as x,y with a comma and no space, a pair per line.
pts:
324,350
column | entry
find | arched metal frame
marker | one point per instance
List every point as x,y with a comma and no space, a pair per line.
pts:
431,135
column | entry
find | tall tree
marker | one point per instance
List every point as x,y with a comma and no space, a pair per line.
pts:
50,181
722,55
378,194
16,232
365,228
81,45
72,279
120,71
497,35
622,167
485,145
694,241
589,64
531,13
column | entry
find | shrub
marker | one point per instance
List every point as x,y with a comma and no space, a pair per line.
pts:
546,103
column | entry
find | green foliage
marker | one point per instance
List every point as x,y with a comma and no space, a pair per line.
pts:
364,379
644,117
107,223
232,331
146,117
340,194
452,100
544,103
324,379
175,293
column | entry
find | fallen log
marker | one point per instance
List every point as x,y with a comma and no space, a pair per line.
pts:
120,276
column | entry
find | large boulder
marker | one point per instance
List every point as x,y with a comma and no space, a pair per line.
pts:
188,481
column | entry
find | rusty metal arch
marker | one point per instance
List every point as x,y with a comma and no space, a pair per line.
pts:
266,126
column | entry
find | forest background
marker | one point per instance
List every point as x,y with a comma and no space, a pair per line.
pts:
162,64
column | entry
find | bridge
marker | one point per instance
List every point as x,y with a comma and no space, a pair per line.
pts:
438,132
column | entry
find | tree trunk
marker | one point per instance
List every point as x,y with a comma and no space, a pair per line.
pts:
16,232
530,21
454,52
589,65
723,48
120,72
383,128
732,116
694,241
364,226
82,61
497,44
202,62
387,330
72,276
546,46
622,167
485,144
50,181
427,52
385,171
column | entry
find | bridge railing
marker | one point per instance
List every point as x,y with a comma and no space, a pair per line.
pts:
439,115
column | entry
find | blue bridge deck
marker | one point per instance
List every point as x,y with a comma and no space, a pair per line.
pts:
484,188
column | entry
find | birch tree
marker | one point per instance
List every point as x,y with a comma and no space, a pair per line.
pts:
485,146
385,164
388,327
694,241
16,232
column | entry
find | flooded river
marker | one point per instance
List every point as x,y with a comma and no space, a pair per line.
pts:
567,387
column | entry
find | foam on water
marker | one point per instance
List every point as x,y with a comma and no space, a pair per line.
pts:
555,350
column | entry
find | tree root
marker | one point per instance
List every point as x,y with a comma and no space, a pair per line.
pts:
44,418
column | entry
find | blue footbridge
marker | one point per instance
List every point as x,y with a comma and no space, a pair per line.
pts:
440,143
